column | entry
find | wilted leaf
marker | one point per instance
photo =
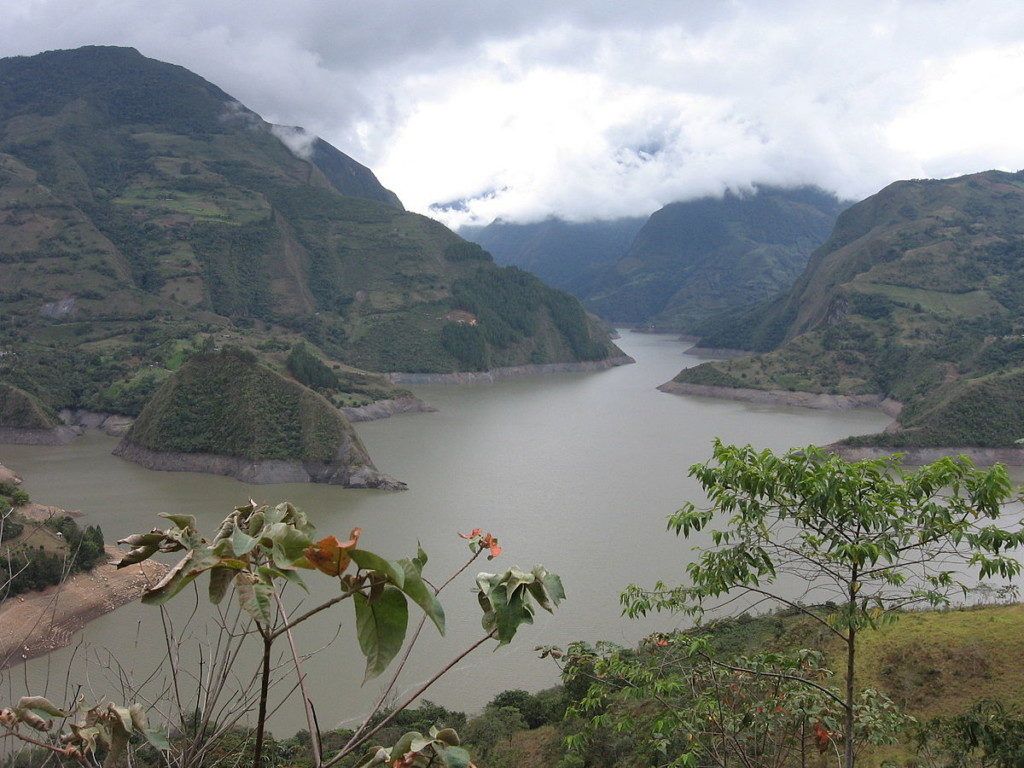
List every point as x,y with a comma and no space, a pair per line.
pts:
41,704
332,556
220,579
381,625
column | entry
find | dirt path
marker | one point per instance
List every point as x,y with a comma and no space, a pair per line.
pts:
36,623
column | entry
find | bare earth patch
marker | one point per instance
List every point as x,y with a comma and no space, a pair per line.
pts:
35,623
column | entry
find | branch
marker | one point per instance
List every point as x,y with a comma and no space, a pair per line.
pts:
408,700
780,675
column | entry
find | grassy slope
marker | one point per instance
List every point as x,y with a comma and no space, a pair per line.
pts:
140,207
931,663
917,295
228,404
697,259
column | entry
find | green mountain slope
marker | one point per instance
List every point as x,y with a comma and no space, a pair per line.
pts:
143,210
919,295
227,404
568,255
698,259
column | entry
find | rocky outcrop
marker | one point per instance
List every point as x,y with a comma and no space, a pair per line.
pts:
383,409
784,397
262,471
516,371
55,436
112,424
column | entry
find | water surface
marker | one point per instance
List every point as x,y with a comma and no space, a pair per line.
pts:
575,471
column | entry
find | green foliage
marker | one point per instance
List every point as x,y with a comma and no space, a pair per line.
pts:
21,410
531,708
915,296
465,251
869,537
227,404
25,568
988,735
309,369
467,344
697,260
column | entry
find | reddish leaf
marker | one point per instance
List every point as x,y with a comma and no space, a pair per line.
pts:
475,533
330,555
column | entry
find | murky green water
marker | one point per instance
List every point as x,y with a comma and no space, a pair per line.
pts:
575,471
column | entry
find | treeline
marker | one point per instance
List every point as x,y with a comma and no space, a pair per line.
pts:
24,568
508,304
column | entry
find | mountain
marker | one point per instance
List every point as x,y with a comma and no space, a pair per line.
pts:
145,213
226,413
917,295
565,254
694,260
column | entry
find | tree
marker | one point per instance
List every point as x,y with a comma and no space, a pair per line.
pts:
256,552
867,538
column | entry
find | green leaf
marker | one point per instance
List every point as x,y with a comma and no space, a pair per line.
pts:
381,625
242,543
181,521
421,594
455,757
158,739
368,561
220,578
254,598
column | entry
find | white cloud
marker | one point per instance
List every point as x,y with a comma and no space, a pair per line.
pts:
596,109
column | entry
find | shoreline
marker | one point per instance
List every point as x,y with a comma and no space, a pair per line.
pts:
36,623
916,457
510,372
819,401
259,471
55,436
385,409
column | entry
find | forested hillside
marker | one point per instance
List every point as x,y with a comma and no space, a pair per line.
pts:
917,295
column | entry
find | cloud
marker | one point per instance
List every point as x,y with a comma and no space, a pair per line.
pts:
595,109
298,140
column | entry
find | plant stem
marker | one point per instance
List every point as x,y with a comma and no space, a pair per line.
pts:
268,642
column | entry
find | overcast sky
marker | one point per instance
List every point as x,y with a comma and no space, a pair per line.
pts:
585,110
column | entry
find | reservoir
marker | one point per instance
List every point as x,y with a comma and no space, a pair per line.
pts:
575,471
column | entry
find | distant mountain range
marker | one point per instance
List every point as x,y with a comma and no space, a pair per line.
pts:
145,213
685,264
917,295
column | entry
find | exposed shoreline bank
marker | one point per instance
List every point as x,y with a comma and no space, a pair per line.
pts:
916,457
55,436
815,400
511,372
259,471
385,409
36,623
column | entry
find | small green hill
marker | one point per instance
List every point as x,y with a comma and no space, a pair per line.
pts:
20,410
142,210
228,404
917,295
699,259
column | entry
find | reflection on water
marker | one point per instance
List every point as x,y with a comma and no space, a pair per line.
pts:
576,471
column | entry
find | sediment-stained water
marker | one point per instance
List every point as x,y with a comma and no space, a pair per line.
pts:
575,471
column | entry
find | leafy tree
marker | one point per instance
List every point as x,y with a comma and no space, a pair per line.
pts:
986,736
867,537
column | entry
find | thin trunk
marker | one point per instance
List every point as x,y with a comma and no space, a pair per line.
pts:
268,641
851,655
